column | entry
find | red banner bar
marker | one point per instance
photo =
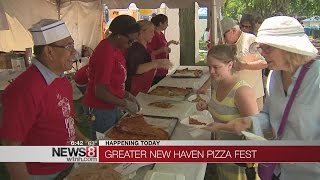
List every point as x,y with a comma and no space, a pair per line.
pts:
209,154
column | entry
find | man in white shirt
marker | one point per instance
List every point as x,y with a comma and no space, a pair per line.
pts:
250,65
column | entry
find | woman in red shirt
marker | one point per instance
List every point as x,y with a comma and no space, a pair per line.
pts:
105,94
141,69
159,47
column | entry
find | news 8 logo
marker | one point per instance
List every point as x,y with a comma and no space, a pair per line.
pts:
88,151
91,151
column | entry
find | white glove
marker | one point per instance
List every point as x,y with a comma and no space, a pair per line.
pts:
131,107
132,98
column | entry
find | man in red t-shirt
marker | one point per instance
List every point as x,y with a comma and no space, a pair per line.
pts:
38,105
105,94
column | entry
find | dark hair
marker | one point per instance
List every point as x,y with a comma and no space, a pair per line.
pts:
159,18
38,50
248,18
224,53
259,20
124,24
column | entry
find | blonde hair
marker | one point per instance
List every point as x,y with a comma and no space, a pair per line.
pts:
224,53
294,60
145,24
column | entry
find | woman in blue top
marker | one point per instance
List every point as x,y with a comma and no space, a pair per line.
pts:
286,48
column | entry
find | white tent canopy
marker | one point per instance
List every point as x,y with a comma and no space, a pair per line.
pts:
82,17
151,4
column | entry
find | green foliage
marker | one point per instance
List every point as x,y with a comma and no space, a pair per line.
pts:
233,8
305,7
202,44
265,8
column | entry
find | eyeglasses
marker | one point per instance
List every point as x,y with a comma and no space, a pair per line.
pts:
265,48
245,26
259,48
69,47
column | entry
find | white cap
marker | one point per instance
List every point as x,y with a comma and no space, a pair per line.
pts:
285,33
47,34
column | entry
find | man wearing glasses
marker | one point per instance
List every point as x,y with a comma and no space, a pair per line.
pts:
247,23
250,65
38,105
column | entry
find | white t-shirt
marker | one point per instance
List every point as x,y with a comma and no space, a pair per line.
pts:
252,77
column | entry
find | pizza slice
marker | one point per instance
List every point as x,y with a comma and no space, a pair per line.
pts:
164,105
193,121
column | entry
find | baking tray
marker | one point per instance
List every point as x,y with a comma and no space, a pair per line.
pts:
178,110
181,97
165,123
177,74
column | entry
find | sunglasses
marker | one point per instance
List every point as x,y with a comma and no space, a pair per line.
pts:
245,26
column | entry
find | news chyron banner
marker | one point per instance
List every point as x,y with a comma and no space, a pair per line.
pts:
209,151
152,151
79,154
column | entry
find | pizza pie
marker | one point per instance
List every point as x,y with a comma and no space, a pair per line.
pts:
164,105
94,172
195,121
198,98
196,72
170,91
136,128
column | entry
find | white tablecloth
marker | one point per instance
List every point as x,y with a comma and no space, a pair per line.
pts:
192,171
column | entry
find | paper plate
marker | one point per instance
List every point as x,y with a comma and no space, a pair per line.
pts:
199,117
194,96
153,175
251,136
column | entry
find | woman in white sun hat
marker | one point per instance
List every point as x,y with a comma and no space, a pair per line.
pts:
290,54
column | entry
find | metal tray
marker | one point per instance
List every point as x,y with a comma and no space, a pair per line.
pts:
179,110
186,75
181,97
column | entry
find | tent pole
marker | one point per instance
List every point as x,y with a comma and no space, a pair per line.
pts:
213,22
58,8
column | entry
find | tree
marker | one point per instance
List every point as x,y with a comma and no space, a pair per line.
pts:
187,29
265,8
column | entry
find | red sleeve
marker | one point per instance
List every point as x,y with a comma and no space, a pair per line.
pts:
153,45
104,57
81,76
18,114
